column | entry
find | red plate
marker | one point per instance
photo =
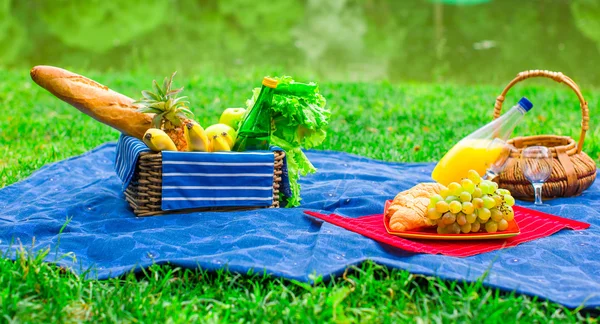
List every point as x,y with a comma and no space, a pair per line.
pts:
430,233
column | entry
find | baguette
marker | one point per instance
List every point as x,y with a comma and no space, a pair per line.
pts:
94,99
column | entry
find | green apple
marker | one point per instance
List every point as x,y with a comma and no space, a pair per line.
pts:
218,129
232,116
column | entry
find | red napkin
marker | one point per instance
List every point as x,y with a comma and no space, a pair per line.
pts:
533,225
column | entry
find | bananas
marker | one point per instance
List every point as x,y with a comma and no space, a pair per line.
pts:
196,137
220,144
228,139
157,140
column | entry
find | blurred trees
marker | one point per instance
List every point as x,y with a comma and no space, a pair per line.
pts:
12,34
337,39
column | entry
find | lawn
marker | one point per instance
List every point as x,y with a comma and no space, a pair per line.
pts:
392,122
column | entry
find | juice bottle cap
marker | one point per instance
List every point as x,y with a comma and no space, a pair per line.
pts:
269,82
525,103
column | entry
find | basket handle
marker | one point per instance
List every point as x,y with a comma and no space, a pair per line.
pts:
560,78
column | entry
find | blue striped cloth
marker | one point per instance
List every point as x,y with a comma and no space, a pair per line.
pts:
198,179
194,180
128,152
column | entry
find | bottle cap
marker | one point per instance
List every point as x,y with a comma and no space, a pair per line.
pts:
269,82
525,103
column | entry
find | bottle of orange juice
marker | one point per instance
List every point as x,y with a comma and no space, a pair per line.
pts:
477,151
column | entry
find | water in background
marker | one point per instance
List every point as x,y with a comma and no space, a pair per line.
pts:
464,41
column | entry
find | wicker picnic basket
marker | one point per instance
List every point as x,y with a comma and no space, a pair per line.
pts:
573,171
144,193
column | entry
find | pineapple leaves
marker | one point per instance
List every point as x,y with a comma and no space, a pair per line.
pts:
180,100
185,112
150,95
148,110
157,105
157,88
164,103
167,83
174,92
157,119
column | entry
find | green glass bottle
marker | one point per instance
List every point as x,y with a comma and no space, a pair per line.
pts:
255,131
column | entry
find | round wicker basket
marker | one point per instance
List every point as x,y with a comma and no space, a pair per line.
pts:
573,171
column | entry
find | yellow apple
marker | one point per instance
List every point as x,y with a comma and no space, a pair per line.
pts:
232,117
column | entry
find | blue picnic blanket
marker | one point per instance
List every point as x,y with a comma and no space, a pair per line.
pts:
108,240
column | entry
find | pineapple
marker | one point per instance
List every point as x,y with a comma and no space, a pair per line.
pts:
170,112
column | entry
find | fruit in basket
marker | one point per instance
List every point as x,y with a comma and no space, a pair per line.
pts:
170,110
232,117
157,140
230,141
218,129
196,137
219,144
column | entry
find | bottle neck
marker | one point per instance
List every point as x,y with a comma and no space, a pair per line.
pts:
505,125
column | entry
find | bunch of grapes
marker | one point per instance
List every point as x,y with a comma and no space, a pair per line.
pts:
471,206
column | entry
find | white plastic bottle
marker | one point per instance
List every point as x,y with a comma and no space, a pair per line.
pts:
474,151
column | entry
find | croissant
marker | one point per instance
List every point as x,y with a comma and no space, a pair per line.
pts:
408,211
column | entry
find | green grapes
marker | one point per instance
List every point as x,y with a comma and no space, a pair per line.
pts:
433,214
453,228
451,198
455,207
475,227
448,218
502,225
494,186
509,200
491,227
485,187
503,192
466,228
509,213
440,223
454,188
496,215
471,206
474,176
442,206
435,198
488,202
484,214
467,185
471,218
464,196
467,207
477,203
498,199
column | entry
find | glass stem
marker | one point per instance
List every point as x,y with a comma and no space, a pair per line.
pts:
537,187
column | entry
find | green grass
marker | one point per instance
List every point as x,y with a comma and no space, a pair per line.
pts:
407,122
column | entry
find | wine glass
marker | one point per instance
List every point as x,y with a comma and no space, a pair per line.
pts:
536,162
502,150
